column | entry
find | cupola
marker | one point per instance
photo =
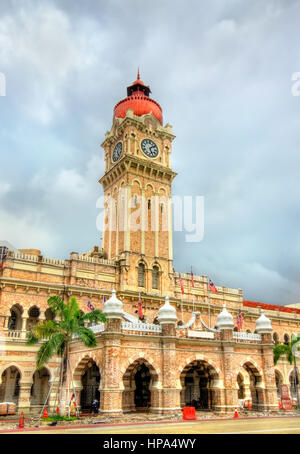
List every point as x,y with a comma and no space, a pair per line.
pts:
167,313
113,308
263,324
225,320
139,101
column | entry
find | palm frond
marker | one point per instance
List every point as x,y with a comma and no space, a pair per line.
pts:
56,344
45,329
87,336
280,350
31,338
94,316
56,304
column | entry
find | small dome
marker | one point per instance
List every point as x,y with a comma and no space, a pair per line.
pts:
225,320
113,308
263,324
167,313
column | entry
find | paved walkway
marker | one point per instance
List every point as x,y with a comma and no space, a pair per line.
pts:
271,425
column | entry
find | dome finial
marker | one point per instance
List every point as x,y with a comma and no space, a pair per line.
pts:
138,74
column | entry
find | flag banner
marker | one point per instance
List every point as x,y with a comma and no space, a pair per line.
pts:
104,299
140,309
192,276
181,284
212,287
239,321
90,306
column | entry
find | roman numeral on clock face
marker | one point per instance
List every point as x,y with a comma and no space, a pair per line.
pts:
149,148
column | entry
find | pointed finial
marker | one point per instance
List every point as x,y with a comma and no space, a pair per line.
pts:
138,73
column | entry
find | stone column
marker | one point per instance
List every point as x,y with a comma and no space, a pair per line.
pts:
228,397
271,400
230,394
110,390
24,397
6,320
110,385
24,326
73,268
170,391
264,328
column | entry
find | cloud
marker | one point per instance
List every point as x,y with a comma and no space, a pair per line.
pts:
222,73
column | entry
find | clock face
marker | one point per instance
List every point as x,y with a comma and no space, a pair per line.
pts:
149,148
117,151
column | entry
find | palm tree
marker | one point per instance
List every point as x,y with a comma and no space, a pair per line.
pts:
287,351
57,336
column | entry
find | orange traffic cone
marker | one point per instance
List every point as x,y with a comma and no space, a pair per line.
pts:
45,414
57,410
21,421
249,405
236,415
280,405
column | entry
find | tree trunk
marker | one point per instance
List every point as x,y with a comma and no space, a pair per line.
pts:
296,382
63,401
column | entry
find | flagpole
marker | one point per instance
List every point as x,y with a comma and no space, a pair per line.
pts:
181,308
208,295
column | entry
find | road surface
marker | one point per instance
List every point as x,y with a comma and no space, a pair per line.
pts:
285,425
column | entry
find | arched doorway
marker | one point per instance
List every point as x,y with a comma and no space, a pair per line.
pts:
294,384
90,381
140,392
10,386
197,382
241,387
40,387
256,388
279,381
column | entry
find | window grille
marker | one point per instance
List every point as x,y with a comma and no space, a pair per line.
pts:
141,275
155,277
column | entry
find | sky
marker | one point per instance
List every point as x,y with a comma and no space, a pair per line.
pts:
222,72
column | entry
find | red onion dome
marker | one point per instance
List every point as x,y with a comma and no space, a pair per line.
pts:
138,100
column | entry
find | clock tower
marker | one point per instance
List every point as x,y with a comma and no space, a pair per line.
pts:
137,184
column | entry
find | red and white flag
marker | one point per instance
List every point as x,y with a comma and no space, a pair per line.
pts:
192,277
239,321
212,287
140,308
181,284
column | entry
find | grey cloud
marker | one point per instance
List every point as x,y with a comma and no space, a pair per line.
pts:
222,73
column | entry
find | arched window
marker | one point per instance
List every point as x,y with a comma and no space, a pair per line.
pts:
33,318
15,319
141,275
286,339
276,338
155,275
49,314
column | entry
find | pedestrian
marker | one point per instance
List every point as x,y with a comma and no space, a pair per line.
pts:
73,405
95,406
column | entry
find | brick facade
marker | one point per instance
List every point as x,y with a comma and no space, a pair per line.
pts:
161,370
